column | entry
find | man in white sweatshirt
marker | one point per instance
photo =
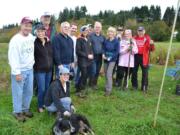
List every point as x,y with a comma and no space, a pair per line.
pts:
21,60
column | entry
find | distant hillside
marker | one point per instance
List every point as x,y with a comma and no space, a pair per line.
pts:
6,34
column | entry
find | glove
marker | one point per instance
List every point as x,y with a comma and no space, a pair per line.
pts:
67,114
130,48
73,109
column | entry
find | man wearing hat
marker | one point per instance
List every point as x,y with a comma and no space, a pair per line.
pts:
145,46
43,54
57,98
21,60
49,26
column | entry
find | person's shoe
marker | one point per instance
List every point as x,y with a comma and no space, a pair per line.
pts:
134,88
19,117
40,110
28,114
107,93
144,89
81,95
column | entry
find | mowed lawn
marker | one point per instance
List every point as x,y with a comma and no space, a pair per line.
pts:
123,113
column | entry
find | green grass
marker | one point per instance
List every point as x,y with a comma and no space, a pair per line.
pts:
123,113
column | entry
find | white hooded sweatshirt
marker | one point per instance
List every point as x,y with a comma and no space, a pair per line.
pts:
21,53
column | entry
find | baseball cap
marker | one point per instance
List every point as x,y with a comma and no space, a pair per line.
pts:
140,28
83,28
26,20
46,14
63,70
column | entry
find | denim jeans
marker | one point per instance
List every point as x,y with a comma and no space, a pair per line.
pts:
96,65
22,91
43,80
77,75
66,103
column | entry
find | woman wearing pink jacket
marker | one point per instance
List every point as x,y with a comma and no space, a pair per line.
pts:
127,50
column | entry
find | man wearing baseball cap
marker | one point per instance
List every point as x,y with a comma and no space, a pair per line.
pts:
57,98
21,60
49,26
145,46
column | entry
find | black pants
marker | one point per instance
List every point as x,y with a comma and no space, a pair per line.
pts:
122,73
139,62
83,78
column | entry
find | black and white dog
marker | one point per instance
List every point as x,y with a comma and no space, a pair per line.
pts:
73,125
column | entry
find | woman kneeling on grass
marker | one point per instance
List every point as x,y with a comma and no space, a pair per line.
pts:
43,64
57,98
110,54
128,48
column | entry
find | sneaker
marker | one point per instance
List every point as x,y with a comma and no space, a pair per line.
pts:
40,110
81,95
28,114
19,117
107,93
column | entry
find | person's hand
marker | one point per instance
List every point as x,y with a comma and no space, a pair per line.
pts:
60,66
151,42
104,57
73,109
130,48
67,114
19,77
72,65
90,56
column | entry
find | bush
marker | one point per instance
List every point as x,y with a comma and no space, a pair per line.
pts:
159,31
178,35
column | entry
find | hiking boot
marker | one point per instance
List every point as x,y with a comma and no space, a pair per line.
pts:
19,117
28,114
81,95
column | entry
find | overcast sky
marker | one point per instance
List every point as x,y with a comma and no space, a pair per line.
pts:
11,11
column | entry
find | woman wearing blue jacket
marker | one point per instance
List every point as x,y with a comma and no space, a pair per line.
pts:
110,54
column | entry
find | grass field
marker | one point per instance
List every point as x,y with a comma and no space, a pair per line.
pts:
123,113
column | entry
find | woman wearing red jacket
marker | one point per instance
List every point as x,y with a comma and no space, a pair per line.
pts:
145,46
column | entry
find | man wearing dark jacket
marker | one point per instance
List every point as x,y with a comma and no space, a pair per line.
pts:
63,48
85,56
97,40
57,98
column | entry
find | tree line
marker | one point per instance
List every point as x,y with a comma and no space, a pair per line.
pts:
156,25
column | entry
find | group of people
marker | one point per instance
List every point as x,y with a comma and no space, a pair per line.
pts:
36,52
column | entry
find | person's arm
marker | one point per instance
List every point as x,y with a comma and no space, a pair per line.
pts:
56,98
116,52
152,46
56,51
79,51
72,58
135,48
14,57
123,48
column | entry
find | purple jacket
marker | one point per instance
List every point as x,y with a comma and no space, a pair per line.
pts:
124,53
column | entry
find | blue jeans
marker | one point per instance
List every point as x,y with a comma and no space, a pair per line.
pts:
57,70
66,103
43,80
77,75
22,91
96,65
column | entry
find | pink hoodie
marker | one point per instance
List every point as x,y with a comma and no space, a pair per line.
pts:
124,53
